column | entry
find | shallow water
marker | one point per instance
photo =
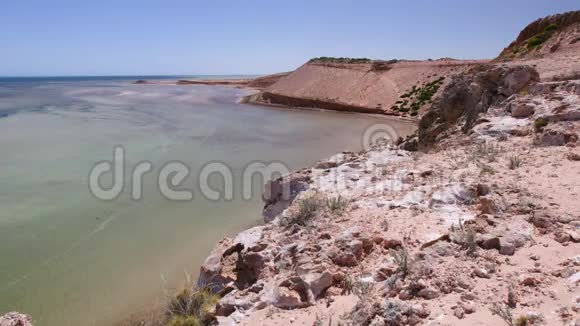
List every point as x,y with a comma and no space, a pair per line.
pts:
68,258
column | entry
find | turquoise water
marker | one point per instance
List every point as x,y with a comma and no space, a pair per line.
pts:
71,259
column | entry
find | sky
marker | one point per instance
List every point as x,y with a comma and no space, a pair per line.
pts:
218,37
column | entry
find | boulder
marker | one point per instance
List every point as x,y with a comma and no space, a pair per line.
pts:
285,298
489,242
555,136
491,204
211,271
319,282
229,304
280,193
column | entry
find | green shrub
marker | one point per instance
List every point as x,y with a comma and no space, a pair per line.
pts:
551,28
417,96
539,124
515,162
403,260
307,209
336,205
191,306
539,39
504,312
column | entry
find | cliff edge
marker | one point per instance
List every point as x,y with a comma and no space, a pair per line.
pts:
403,88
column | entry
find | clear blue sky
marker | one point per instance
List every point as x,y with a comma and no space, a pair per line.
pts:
116,37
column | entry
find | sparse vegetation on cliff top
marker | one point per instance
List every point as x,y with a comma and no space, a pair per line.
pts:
340,60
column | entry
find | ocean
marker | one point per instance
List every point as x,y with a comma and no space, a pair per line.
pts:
70,257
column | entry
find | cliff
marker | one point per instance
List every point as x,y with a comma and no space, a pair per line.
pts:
392,87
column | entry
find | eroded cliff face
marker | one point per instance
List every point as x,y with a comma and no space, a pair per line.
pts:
381,87
471,94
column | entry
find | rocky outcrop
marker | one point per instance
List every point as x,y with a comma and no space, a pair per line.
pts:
280,193
469,95
543,37
15,319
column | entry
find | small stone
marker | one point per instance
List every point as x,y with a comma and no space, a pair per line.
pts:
561,237
482,189
459,313
405,295
468,297
522,110
543,222
507,249
428,293
530,281
338,276
574,157
481,273
343,258
574,236
259,247
426,173
422,311
325,236
392,244
469,308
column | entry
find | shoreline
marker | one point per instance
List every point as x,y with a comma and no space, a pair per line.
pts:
250,99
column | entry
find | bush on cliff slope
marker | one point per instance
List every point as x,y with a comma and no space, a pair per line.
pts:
191,306
415,98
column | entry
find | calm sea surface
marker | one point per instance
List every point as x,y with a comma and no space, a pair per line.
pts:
68,258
